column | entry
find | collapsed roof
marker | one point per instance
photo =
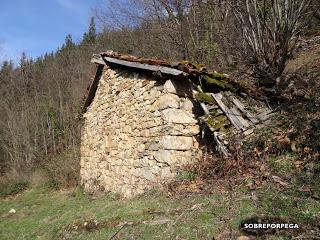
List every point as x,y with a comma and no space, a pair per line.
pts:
216,93
197,74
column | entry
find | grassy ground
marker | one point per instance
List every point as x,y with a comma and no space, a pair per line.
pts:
44,214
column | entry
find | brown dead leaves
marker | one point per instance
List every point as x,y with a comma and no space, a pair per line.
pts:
280,181
187,187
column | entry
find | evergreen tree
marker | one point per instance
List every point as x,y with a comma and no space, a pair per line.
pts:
7,66
90,36
68,43
92,30
23,60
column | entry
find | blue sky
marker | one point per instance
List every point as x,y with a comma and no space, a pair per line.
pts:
39,26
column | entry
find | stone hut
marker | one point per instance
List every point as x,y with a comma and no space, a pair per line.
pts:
142,122
139,126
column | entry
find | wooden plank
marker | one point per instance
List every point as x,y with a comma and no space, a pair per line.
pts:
243,109
204,107
166,70
155,68
264,111
96,58
237,114
222,149
213,107
265,116
220,145
248,132
93,88
222,136
235,122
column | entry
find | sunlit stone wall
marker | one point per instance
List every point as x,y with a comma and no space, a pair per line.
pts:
137,133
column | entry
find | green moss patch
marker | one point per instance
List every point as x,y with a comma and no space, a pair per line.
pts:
218,122
218,82
204,97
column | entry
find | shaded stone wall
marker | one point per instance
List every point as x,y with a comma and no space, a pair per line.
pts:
137,133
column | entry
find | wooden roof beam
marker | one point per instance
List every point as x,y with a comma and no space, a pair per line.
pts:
154,68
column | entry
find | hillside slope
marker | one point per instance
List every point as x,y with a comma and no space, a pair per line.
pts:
274,176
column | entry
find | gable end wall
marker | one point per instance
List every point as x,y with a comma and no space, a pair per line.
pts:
136,134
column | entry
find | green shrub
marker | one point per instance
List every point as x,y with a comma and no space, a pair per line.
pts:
79,192
186,176
62,170
13,188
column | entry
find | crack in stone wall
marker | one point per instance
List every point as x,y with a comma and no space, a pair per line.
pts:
137,134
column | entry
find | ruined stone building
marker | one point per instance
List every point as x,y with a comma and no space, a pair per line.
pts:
142,121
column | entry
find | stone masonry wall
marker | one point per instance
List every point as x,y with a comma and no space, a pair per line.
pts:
137,133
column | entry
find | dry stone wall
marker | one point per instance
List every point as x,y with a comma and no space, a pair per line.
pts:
137,133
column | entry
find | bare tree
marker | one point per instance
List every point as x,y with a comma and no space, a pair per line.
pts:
175,29
315,8
270,30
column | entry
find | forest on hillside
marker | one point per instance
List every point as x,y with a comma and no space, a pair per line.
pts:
41,98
